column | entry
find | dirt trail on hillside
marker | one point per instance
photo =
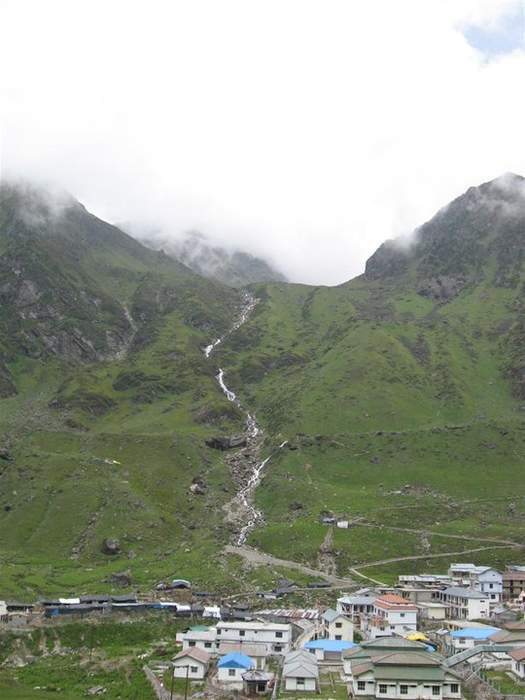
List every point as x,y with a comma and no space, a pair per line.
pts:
254,556
431,533
393,560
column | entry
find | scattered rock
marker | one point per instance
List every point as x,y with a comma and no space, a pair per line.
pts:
5,454
111,546
198,486
121,578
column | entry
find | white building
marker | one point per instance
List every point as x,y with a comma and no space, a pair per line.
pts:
483,579
200,637
518,662
489,582
300,672
232,667
254,650
396,668
192,664
356,605
465,603
277,637
338,626
391,615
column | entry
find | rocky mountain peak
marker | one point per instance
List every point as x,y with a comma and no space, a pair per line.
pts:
484,225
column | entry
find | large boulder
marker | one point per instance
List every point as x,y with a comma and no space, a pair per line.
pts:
226,443
121,578
111,546
5,454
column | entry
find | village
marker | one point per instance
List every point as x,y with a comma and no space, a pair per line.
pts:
455,635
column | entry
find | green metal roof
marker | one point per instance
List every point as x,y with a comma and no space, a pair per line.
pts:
409,673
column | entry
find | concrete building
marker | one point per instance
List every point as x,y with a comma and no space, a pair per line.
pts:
300,672
232,667
469,637
276,637
386,668
338,626
392,614
518,662
328,650
356,605
254,650
200,637
465,603
513,583
513,635
432,610
192,664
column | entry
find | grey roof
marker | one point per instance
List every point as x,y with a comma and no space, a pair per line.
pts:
460,592
330,615
300,664
253,649
358,599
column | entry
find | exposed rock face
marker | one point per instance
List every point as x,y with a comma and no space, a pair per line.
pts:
111,546
5,454
453,247
442,288
226,443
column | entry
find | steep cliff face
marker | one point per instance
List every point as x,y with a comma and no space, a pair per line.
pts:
76,288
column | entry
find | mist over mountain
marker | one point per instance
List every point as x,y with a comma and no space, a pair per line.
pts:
235,268
404,385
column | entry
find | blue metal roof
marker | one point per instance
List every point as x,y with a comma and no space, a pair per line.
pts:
236,660
475,632
329,644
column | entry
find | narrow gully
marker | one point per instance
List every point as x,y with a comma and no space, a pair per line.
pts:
244,496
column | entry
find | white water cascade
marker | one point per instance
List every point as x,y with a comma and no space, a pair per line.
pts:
245,495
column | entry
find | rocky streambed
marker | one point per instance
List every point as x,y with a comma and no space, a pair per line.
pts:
246,465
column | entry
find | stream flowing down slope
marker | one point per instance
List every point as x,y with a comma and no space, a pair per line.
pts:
241,509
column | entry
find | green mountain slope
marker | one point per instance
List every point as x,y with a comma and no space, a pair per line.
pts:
107,401
401,391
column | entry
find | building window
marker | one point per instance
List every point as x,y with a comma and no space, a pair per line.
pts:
403,689
338,625
361,685
207,645
338,637
231,671
241,633
191,643
193,669
277,647
383,689
300,681
279,635
401,614
454,688
436,690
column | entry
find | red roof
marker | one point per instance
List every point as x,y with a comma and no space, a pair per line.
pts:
390,601
518,654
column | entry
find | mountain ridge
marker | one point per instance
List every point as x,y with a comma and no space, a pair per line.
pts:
399,396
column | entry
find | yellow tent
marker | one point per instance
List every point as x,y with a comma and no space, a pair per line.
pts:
417,637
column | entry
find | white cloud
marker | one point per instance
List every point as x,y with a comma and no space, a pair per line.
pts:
307,130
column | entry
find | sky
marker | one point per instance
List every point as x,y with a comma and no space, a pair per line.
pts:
306,131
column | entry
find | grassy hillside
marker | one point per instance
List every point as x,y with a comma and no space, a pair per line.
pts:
409,377
401,395
108,404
